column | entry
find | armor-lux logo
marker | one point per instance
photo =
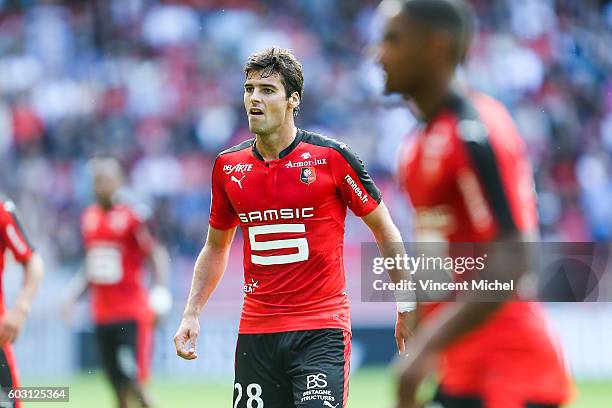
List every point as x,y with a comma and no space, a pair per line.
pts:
237,168
314,162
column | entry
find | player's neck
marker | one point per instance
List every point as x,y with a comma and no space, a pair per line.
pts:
106,205
430,99
269,146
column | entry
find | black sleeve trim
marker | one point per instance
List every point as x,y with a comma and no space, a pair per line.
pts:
352,159
11,210
475,135
244,145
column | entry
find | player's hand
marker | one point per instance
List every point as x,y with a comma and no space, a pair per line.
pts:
418,364
187,332
404,330
11,325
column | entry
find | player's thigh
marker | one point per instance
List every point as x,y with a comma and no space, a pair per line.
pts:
8,377
117,345
259,380
127,333
320,369
107,348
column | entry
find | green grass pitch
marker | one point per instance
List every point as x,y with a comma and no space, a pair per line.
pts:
369,388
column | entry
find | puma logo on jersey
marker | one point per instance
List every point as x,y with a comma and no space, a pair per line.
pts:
239,182
237,168
328,404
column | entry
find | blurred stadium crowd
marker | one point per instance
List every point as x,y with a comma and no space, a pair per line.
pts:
159,85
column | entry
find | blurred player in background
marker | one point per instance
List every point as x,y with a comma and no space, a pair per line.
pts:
117,242
289,190
467,176
14,239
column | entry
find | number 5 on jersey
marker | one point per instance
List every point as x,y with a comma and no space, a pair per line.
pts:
301,244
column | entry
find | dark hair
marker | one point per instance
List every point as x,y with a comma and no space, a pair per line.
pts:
456,17
283,62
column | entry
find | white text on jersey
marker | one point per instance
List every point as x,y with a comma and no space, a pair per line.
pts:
237,168
306,163
362,196
280,214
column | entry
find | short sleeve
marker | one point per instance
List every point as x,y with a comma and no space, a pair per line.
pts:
356,187
13,234
222,214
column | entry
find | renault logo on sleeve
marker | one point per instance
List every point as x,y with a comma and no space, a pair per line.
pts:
308,175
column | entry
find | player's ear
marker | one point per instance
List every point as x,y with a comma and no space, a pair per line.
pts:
294,100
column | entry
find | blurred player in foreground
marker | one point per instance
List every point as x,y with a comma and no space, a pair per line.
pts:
467,176
289,190
13,239
117,241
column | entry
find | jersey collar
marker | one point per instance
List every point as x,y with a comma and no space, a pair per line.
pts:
298,138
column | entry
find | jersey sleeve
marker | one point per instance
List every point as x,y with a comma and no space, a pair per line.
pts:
495,177
356,187
13,234
222,214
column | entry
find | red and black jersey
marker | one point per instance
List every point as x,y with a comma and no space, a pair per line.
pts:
291,212
13,238
469,180
117,241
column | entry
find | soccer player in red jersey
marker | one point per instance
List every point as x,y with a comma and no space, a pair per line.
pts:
468,178
289,190
13,239
117,242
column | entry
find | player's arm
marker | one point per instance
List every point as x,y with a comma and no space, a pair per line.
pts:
160,298
77,287
160,260
459,318
17,242
389,241
208,270
362,196
14,319
506,263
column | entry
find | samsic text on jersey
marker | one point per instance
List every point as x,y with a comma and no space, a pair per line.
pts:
291,212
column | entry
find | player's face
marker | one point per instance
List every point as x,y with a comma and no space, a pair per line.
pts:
266,103
401,54
105,185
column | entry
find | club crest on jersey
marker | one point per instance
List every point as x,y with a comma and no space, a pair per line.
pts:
308,175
